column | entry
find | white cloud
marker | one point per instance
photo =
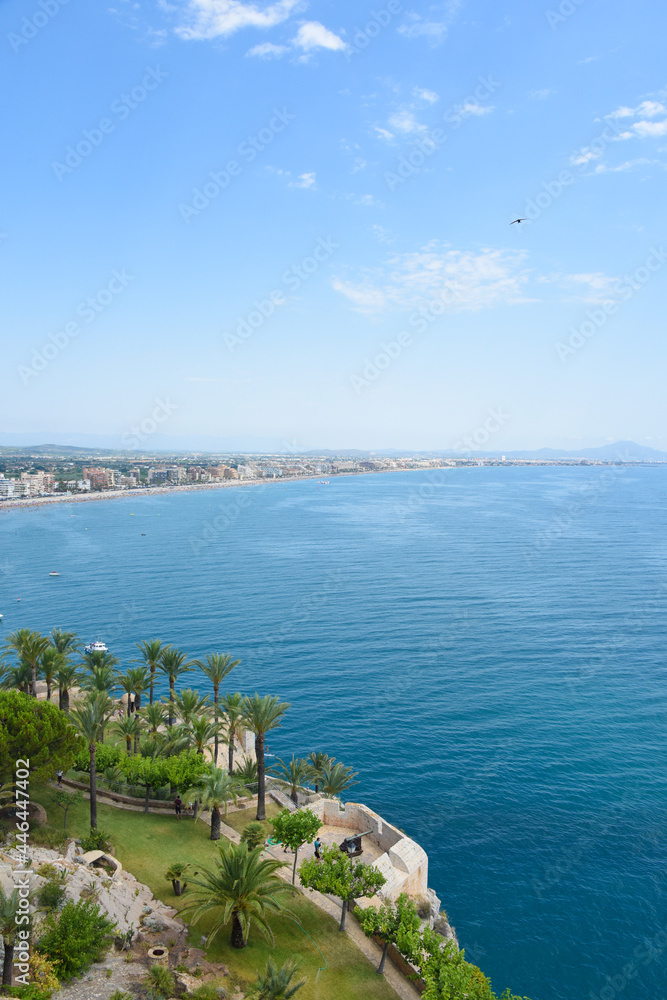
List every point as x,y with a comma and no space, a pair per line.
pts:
473,108
305,181
267,50
585,286
215,18
429,96
383,133
404,121
603,168
313,35
540,95
466,280
647,129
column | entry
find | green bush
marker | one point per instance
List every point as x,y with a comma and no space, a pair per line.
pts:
253,834
106,756
43,981
51,895
208,991
75,938
96,840
160,981
120,995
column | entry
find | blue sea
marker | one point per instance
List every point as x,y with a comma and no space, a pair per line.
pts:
485,646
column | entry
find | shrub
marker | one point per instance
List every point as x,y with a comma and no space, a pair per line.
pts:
160,981
208,991
75,938
96,840
43,981
120,995
48,871
254,835
46,836
106,756
51,895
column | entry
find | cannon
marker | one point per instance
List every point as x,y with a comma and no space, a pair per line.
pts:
352,845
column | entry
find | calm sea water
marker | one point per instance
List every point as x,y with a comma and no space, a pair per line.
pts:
487,652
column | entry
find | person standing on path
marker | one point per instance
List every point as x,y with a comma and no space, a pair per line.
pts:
178,806
318,845
59,776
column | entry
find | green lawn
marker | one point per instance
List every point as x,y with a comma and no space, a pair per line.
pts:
147,844
239,820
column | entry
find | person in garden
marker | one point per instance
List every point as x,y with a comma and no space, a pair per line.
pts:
178,806
318,846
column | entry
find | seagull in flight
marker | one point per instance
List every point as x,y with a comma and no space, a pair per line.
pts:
518,220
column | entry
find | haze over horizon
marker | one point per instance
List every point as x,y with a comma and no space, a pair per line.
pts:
290,221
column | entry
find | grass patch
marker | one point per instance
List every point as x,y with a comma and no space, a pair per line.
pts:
238,820
147,844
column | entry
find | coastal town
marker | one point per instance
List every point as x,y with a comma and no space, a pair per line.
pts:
41,473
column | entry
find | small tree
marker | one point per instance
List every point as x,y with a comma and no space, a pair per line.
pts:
253,834
396,924
76,937
338,875
295,829
293,773
174,874
66,800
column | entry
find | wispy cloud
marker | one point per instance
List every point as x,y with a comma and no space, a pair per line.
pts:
216,18
583,286
650,123
304,181
267,50
429,96
467,280
432,26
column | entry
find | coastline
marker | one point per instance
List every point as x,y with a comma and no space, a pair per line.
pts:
41,501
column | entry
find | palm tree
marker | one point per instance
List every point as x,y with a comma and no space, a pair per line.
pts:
99,658
151,650
50,664
129,728
261,716
89,720
174,874
9,911
174,663
17,677
100,677
336,779
29,646
125,682
232,706
294,773
154,715
317,761
200,732
64,642
276,983
66,677
140,683
190,704
214,790
216,667
242,886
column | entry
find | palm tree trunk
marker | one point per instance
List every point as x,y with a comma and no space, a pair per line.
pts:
343,915
216,698
137,702
171,701
48,689
238,939
93,787
380,967
261,776
230,753
60,698
296,855
128,740
7,965
150,697
215,823
33,667
65,700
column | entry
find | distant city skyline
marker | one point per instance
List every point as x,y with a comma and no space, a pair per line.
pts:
290,222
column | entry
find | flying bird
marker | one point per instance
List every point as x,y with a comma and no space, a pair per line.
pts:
518,220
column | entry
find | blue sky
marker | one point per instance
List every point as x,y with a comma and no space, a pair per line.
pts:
289,221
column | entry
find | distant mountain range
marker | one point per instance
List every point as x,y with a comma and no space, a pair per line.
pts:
97,444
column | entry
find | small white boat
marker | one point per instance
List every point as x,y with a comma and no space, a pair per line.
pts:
53,573
95,647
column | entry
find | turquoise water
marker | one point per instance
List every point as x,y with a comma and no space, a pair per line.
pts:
485,646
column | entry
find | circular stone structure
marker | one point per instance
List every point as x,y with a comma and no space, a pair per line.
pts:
159,955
